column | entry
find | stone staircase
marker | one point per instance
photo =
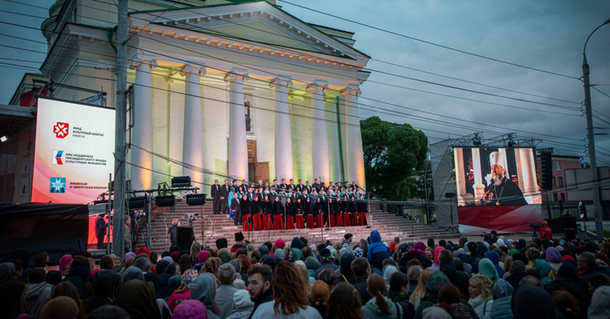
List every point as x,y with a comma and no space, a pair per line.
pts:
209,227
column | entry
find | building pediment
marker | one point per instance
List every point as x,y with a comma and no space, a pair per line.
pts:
258,22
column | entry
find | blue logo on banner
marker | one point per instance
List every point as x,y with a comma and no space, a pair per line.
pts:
58,185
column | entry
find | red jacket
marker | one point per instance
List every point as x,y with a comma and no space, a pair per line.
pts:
546,232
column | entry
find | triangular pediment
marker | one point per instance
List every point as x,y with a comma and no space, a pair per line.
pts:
258,22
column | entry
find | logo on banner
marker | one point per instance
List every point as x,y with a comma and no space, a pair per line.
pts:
58,185
57,157
61,129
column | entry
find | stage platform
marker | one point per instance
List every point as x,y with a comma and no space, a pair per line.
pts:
209,227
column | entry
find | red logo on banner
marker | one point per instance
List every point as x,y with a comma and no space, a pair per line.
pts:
61,130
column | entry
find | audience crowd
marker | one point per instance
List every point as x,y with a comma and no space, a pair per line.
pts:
356,278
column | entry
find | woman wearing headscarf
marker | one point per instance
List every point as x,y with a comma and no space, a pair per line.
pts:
435,264
433,285
544,269
487,268
553,257
279,255
502,295
183,292
172,284
138,298
495,259
313,264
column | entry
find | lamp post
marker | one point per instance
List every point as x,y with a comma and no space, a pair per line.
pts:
599,230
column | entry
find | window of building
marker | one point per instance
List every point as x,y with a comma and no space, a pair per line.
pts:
558,165
560,180
554,181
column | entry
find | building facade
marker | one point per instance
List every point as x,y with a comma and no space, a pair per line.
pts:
560,164
238,89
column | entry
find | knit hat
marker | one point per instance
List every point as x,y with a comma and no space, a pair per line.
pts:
221,243
566,257
176,256
190,309
264,250
161,266
64,262
203,255
404,247
143,250
280,244
169,259
130,255
241,299
239,284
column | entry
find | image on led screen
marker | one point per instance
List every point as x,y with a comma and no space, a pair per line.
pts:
496,176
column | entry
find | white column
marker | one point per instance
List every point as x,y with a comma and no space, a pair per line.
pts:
354,161
142,136
283,137
238,147
320,153
192,143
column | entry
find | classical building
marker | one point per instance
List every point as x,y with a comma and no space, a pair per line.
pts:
219,88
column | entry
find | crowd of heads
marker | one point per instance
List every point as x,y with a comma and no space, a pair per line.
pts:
355,278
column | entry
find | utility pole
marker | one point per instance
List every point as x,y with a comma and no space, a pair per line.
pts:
599,228
120,147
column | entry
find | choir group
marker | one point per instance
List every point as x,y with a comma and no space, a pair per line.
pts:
288,206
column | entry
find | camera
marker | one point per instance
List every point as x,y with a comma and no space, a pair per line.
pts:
191,217
534,225
486,236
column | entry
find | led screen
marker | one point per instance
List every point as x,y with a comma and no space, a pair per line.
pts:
73,152
496,176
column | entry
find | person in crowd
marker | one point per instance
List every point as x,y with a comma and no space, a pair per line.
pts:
436,280
345,273
487,268
289,296
597,281
399,294
260,278
502,293
532,302
12,297
587,267
553,257
79,274
517,272
362,270
108,312
344,303
481,297
173,231
377,252
190,309
420,291
320,293
101,226
545,231
380,306
566,305
105,285
327,262
37,292
495,259
203,289
59,307
600,307
456,277
68,289
544,270
243,305
138,298
184,291
226,290
418,252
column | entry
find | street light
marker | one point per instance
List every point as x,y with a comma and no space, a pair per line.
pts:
599,229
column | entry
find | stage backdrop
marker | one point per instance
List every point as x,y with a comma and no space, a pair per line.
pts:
56,229
497,189
73,153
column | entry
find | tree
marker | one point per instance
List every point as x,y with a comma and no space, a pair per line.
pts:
393,154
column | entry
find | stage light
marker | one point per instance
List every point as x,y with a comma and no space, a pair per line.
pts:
195,199
163,201
3,138
136,202
181,181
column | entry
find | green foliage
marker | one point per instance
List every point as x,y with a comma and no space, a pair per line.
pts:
393,153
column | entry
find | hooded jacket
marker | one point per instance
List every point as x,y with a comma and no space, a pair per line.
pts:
104,283
600,308
433,285
36,296
495,259
567,279
377,251
371,310
457,278
344,273
487,268
544,269
502,295
203,288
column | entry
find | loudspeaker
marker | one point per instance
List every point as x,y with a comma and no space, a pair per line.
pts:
181,181
449,195
136,202
184,239
570,233
169,200
195,199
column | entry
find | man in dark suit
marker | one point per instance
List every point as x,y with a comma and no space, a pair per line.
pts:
283,185
224,197
308,187
300,186
215,192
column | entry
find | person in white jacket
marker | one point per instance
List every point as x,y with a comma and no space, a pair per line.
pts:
480,294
